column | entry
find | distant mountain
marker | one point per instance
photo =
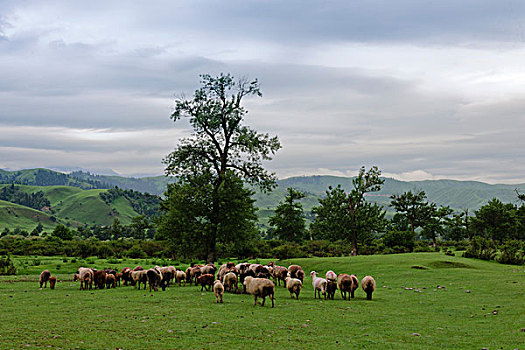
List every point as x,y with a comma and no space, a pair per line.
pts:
76,198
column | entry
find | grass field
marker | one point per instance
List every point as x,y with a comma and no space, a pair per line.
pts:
446,302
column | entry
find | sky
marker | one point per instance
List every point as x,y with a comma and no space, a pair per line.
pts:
421,89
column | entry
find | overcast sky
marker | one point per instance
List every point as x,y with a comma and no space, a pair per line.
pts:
422,89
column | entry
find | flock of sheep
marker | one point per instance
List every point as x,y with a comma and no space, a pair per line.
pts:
254,279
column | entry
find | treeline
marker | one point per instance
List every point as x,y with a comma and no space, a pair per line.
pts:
35,200
44,177
143,203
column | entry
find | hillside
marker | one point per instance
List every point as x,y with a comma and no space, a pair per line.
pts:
80,202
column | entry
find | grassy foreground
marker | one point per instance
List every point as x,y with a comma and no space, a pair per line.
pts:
447,302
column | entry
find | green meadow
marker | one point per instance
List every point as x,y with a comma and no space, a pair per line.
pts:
422,301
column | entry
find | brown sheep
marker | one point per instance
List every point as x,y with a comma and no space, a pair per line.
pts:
99,278
126,275
138,278
294,286
296,271
111,281
331,287
218,289
230,281
180,277
345,284
260,287
355,284
206,281
118,277
52,282
44,277
369,285
154,278
279,274
85,276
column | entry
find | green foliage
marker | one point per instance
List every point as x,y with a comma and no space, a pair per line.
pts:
35,200
6,266
413,206
332,219
143,203
404,239
512,252
498,221
289,219
481,248
62,232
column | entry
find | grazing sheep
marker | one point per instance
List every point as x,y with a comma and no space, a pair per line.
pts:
355,284
195,272
126,275
180,277
167,275
331,276
331,287
208,269
296,271
218,289
230,281
86,277
264,272
224,269
206,281
118,277
111,281
99,278
139,277
319,285
242,267
52,282
369,285
44,277
243,275
138,268
256,268
294,286
260,287
154,278
279,274
345,284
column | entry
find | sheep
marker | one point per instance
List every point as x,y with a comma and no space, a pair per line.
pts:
126,275
369,285
180,276
264,272
319,285
206,281
230,280
44,277
195,272
296,271
331,287
118,277
208,269
52,282
355,284
260,287
294,286
218,289
279,274
256,268
139,277
86,277
154,278
224,269
111,281
99,278
331,276
167,276
345,283
243,275
242,267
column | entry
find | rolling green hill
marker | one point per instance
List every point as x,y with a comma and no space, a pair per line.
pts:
79,203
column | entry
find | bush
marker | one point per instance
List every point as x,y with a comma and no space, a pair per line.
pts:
6,266
512,252
481,248
402,241
422,247
135,252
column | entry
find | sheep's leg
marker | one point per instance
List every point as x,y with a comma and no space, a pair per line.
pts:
264,299
272,296
255,303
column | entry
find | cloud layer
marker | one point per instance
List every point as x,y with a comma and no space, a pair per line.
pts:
423,90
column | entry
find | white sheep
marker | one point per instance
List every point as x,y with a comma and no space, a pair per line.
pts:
319,285
355,284
230,281
369,285
331,276
294,286
260,287
180,277
218,289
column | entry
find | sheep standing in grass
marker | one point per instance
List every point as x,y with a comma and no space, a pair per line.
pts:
331,287
180,277
355,284
218,289
344,282
319,285
296,271
279,274
294,286
111,281
139,277
52,282
230,281
86,276
369,285
44,277
206,281
260,287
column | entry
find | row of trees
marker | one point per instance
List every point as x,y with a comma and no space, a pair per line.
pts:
13,194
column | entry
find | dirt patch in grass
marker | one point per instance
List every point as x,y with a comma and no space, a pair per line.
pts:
419,267
444,264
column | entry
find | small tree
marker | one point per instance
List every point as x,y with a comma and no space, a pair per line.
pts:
289,220
413,206
332,218
37,230
62,232
435,222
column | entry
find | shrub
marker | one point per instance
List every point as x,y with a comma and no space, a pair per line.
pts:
481,248
135,252
403,240
512,252
6,266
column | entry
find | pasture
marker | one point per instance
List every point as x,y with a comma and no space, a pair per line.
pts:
422,301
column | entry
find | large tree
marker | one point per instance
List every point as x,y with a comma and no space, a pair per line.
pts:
413,206
220,143
289,220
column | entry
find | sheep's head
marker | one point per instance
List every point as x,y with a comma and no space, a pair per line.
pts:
313,274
